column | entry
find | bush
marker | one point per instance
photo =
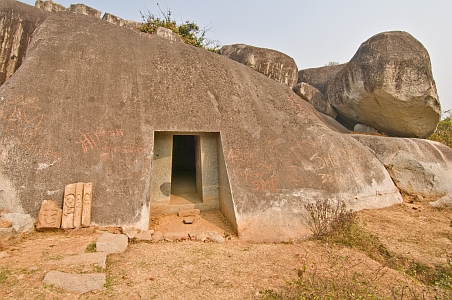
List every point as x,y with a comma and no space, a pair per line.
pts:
328,217
189,32
443,132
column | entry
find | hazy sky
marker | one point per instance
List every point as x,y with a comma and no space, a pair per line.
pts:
312,32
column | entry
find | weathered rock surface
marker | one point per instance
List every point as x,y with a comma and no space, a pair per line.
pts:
319,77
388,84
112,243
18,21
274,64
76,283
445,201
315,97
168,34
49,5
364,128
95,258
21,222
274,152
334,125
417,166
85,10
49,215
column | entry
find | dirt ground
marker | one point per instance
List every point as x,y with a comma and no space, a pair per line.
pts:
230,270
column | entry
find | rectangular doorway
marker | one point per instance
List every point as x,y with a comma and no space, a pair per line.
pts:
185,170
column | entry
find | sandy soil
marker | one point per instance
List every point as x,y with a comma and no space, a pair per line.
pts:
232,270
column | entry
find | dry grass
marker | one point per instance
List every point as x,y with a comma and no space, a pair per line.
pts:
348,266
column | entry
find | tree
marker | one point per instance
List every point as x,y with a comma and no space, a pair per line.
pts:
189,32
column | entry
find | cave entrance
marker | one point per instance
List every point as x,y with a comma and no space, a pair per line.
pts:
188,171
185,171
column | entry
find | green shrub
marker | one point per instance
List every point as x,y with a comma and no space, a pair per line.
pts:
443,132
189,32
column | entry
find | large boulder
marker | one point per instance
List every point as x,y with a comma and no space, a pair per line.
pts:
272,63
17,24
418,167
315,97
319,77
388,85
106,105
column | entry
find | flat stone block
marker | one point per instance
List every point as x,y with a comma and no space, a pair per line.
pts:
97,258
112,243
76,283
188,220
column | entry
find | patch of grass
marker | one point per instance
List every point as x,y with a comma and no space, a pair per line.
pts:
91,248
4,274
332,223
315,283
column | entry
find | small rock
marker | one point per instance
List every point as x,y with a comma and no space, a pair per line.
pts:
7,232
157,236
442,202
21,222
82,231
76,283
418,198
152,278
202,237
364,128
131,232
176,236
188,220
189,213
4,223
112,243
215,237
3,254
143,236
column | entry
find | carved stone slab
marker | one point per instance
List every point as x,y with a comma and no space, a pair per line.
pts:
68,207
49,215
87,201
78,204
